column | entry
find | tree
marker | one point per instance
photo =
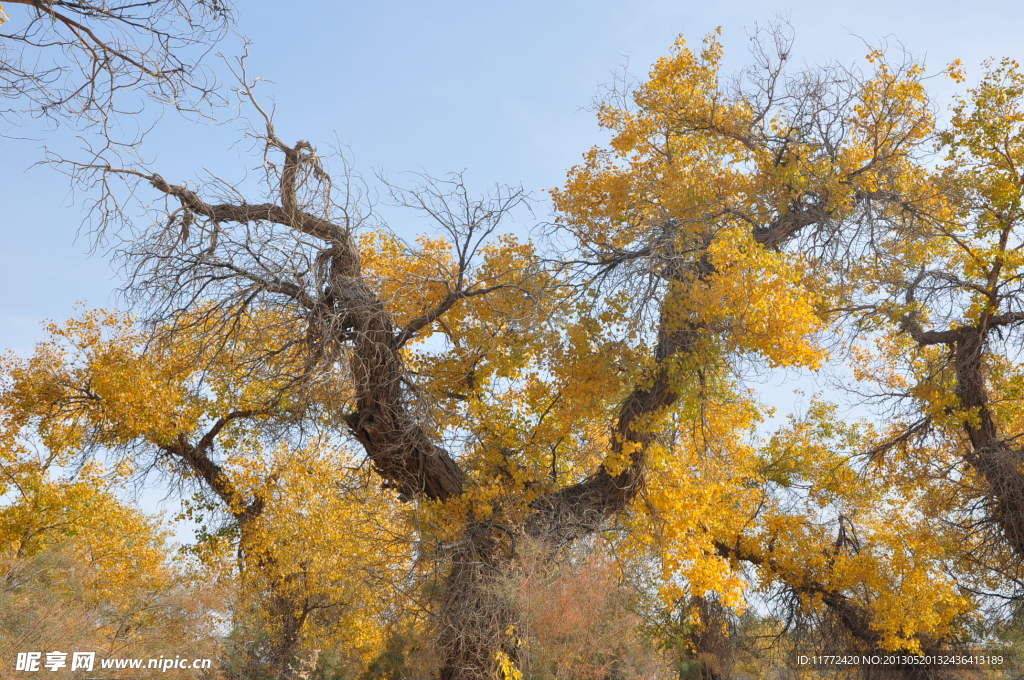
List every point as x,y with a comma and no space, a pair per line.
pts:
81,570
748,198
90,60
950,311
316,554
511,398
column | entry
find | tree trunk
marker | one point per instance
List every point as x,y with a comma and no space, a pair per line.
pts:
474,615
999,464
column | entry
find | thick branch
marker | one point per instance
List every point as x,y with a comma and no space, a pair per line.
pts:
999,464
244,213
579,509
853,617
197,459
352,321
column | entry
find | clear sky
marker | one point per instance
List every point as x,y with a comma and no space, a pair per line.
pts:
501,90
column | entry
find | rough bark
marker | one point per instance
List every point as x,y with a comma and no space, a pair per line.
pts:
996,461
346,312
473,617
991,454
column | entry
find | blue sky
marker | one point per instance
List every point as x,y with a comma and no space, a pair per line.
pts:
500,90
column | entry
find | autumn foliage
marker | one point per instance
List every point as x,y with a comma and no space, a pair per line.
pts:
476,454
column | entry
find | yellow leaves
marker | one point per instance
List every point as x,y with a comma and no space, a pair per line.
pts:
3,16
507,667
867,532
85,571
87,375
326,534
774,316
893,570
411,280
955,71
692,172
984,145
81,516
697,490
684,80
99,380
891,113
